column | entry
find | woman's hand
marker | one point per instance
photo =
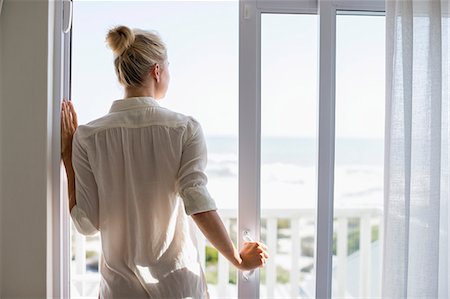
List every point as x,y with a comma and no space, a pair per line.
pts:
253,255
69,124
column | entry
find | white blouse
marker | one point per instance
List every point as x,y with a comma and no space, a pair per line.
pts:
130,166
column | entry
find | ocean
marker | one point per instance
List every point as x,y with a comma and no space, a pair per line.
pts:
288,172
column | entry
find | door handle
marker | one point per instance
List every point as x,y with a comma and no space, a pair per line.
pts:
248,238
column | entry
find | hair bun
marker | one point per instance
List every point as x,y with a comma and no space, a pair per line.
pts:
119,39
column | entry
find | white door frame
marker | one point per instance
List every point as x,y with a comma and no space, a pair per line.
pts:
250,124
325,149
249,160
58,278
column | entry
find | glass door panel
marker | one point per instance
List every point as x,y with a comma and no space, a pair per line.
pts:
288,153
204,83
358,187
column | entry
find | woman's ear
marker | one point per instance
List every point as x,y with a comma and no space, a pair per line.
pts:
155,72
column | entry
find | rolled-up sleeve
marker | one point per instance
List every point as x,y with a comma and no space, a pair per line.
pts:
192,179
85,214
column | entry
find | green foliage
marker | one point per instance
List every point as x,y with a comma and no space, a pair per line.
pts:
282,275
91,253
353,237
212,255
211,276
353,242
307,246
375,232
262,275
283,223
233,275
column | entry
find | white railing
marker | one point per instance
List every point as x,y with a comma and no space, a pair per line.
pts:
368,218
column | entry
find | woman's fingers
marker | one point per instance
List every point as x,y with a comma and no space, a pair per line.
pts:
264,254
263,263
254,254
264,257
264,246
68,114
69,119
73,114
67,124
63,118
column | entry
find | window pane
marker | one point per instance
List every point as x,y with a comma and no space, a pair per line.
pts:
358,187
288,153
204,84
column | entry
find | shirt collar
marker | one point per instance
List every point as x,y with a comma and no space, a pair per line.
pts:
133,103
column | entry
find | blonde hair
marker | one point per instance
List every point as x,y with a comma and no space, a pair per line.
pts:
135,51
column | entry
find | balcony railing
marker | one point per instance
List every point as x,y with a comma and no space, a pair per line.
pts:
357,239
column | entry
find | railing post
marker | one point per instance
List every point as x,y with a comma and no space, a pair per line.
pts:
380,249
271,269
296,252
81,260
201,243
365,240
223,268
342,251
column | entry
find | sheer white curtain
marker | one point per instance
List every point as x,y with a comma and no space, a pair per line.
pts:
416,249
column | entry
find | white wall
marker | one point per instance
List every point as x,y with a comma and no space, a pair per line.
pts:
23,138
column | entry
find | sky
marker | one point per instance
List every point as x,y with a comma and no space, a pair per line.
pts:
202,41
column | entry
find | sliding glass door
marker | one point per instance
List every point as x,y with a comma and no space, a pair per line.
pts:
288,152
202,42
358,187
311,146
280,88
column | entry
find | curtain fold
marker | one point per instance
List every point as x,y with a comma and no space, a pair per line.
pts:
416,252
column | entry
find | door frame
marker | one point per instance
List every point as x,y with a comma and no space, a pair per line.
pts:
58,274
249,215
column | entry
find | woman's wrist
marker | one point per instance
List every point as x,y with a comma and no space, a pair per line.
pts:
237,262
69,167
67,156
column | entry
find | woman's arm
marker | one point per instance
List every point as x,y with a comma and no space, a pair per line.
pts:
70,183
201,206
252,255
82,188
69,124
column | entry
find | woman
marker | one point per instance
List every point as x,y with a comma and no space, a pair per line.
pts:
125,171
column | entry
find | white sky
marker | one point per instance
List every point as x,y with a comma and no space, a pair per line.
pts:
202,40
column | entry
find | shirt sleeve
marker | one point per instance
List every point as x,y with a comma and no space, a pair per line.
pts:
192,179
85,214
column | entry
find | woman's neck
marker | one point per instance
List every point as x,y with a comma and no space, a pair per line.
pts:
143,91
